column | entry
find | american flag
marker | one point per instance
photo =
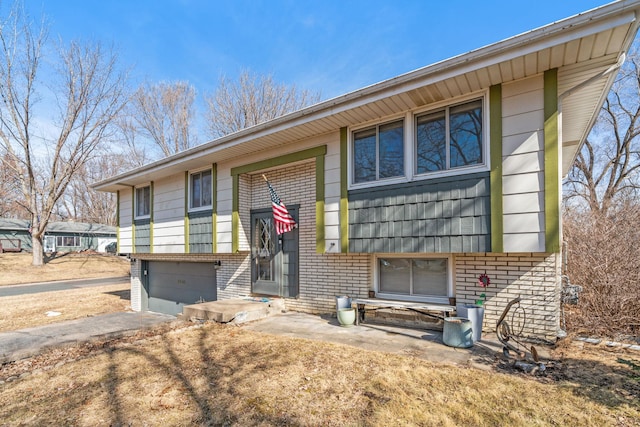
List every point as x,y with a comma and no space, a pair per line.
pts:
281,216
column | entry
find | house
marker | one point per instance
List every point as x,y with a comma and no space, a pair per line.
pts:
59,236
406,190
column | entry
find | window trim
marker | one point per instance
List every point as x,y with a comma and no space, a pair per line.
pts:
406,125
135,201
413,298
410,143
190,195
76,239
461,170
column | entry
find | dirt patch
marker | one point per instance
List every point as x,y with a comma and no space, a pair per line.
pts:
225,375
17,268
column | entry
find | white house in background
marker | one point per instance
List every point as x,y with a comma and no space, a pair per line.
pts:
408,189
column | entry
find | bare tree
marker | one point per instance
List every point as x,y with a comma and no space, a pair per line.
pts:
251,100
10,206
163,113
606,169
82,203
89,91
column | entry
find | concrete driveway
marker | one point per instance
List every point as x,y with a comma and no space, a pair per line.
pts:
23,343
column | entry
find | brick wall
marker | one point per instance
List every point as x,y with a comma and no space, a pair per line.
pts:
321,277
533,277
136,285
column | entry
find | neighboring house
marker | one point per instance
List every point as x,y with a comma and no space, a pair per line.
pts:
408,189
58,237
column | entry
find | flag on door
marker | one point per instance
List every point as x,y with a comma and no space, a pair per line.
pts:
281,216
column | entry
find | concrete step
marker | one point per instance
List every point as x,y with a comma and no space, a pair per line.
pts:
233,310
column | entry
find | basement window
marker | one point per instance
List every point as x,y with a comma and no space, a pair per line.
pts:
414,278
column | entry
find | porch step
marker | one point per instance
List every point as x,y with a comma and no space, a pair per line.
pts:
233,310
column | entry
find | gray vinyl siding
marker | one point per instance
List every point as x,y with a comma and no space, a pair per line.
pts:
143,235
440,215
200,232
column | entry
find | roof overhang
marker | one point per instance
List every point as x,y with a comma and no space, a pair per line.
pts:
581,47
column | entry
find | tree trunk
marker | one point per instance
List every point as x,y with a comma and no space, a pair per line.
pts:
38,253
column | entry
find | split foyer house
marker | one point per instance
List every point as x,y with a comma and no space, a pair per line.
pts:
405,190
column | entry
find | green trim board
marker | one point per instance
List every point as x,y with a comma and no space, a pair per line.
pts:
151,218
495,144
235,213
344,192
186,212
214,207
551,163
118,221
280,160
315,152
320,245
133,219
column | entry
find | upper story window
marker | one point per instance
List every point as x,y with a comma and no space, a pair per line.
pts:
378,152
200,194
443,141
143,202
450,138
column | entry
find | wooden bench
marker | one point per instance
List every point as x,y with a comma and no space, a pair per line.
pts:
419,307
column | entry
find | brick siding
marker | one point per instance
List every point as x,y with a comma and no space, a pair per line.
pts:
533,277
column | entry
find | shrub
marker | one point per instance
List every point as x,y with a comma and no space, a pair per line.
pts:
603,256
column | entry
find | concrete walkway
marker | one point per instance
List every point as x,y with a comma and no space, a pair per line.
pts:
421,343
29,342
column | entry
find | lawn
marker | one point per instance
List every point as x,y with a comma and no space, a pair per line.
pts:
225,375
26,311
17,268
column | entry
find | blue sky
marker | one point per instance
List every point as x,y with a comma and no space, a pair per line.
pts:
330,46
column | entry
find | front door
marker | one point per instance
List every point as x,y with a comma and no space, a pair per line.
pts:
49,244
274,259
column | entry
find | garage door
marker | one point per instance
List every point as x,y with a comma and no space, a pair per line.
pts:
172,285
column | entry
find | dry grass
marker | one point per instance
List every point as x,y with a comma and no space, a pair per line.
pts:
17,268
225,375
25,311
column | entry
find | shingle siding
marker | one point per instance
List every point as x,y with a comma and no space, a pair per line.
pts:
143,235
200,232
441,215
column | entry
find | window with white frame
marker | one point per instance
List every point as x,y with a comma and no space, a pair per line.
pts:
200,194
378,152
449,138
413,278
68,241
143,201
